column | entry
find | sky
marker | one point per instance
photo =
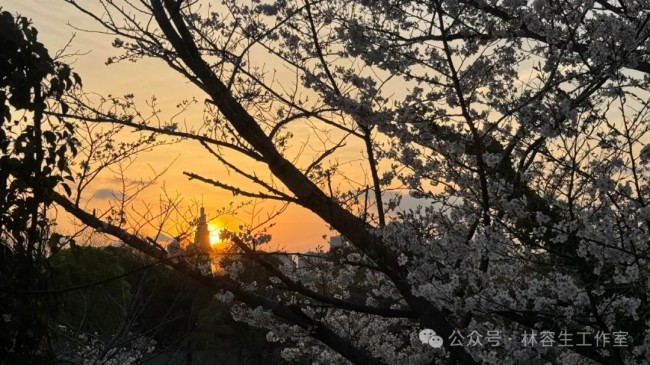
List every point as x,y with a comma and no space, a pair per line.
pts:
296,229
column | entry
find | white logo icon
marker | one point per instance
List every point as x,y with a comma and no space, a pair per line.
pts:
429,336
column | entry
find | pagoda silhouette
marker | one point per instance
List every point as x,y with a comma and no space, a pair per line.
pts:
202,235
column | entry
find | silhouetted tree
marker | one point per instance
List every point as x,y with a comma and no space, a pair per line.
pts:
34,152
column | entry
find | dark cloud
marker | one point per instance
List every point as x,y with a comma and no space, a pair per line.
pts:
106,194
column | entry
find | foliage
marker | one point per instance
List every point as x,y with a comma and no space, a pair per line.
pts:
90,350
97,307
157,284
190,322
30,78
522,127
33,161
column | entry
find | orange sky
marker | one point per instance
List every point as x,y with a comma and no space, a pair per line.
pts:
296,229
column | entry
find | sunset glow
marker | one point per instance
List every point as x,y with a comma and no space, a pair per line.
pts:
215,232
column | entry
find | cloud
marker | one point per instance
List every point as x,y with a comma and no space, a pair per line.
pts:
407,202
107,194
163,237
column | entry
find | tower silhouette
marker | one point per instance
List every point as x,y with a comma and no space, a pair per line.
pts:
202,235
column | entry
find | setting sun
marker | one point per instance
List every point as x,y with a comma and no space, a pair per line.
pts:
215,232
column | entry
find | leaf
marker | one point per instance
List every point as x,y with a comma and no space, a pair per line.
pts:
55,85
77,79
67,189
50,137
